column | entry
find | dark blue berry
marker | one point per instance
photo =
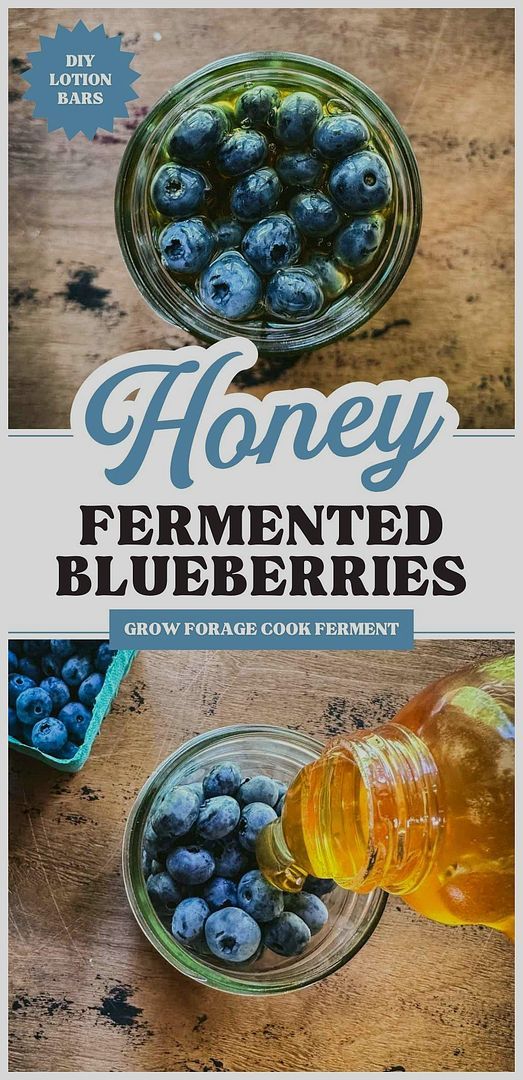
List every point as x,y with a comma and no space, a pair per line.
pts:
12,662
231,859
51,665
310,908
32,705
223,779
293,294
318,885
258,898
62,648
253,819
218,817
104,657
67,752
288,935
17,684
299,168
76,718
272,243
178,191
190,865
35,649
259,789
164,893
189,920
361,183
257,105
187,246
29,667
49,735
155,846
75,670
230,287
256,194
314,213
228,234
176,812
241,152
297,117
232,935
356,245
197,787
220,893
337,136
198,134
58,692
90,688
332,279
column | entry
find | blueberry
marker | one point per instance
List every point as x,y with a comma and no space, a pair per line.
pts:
299,168
361,182
259,789
253,819
198,134
17,684
35,649
49,735
16,647
232,935
297,117
51,665
309,908
197,787
67,752
186,246
58,692
189,920
153,845
62,648
32,705
231,859
337,136
228,234
104,657
314,213
229,287
178,191
272,243
288,935
357,244
75,670
190,865
258,898
12,722
294,294
332,279
90,688
176,813
29,667
241,152
76,718
12,662
220,893
318,885
256,194
164,893
257,105
218,817
223,779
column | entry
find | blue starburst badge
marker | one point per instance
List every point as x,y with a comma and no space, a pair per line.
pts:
80,80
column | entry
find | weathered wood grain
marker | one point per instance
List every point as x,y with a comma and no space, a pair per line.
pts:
448,76
88,992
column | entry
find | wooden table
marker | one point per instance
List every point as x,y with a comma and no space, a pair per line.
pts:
448,76
88,992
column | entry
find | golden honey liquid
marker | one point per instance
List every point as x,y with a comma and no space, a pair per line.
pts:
437,823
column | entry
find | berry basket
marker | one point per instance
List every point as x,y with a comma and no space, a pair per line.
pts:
114,675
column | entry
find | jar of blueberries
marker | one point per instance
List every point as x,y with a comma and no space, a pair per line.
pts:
271,195
192,879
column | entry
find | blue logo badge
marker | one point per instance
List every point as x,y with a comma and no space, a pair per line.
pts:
80,80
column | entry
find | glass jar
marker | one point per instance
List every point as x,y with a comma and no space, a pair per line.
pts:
352,919
145,151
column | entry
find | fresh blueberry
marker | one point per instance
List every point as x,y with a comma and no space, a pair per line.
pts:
51,665
190,865
257,105
29,667
337,136
282,791
357,244
258,898
310,908
314,214
12,662
299,168
223,779
288,935
104,657
49,735
178,191
228,234
294,293
218,817
12,722
197,787
176,813
153,845
186,246
164,894
67,752
229,287
259,789
33,704
198,134
231,859
361,183
220,893
75,670
271,243
189,920
62,648
253,819
58,692
256,194
35,649
90,688
76,718
332,279
17,684
320,886
297,117
241,152
232,935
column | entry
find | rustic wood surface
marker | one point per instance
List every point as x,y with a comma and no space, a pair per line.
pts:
448,76
87,990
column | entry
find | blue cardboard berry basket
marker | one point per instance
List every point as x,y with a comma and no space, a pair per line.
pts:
116,671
